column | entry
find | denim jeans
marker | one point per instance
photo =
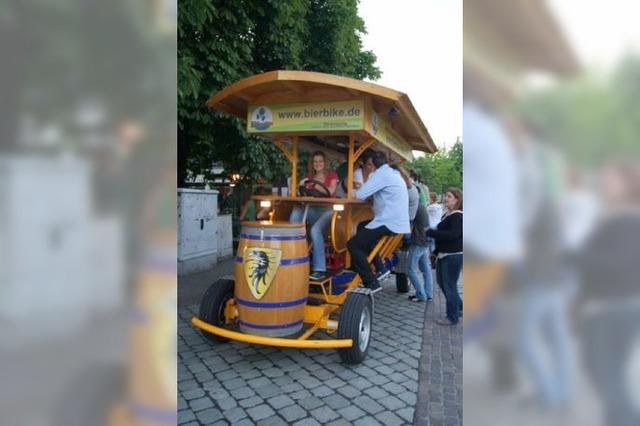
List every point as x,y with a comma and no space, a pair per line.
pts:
447,272
319,219
544,340
418,261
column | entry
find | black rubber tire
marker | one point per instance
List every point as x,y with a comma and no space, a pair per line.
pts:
349,327
402,284
212,306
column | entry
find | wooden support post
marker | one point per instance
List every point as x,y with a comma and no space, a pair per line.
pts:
348,218
294,168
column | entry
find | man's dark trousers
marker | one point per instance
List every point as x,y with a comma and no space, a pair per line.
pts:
360,245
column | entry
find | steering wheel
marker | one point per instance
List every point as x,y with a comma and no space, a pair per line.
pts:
314,188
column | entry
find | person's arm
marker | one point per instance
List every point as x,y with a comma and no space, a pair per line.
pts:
333,183
373,184
245,208
455,231
263,213
358,178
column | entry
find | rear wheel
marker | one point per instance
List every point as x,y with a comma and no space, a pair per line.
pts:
402,285
355,324
212,306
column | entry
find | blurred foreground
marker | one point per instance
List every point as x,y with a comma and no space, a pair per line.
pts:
552,221
87,212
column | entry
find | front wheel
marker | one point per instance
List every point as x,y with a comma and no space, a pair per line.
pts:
355,324
213,304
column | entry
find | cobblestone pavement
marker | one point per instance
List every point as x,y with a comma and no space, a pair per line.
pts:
440,390
240,384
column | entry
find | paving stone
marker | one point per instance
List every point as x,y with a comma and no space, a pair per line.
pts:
260,412
268,391
378,379
258,382
218,393
409,398
321,391
376,392
360,383
336,401
368,404
339,422
234,414
234,384
393,388
349,391
185,416
309,421
244,422
309,382
242,393
351,413
366,421
387,418
335,383
300,394
209,416
201,403
310,403
251,402
324,414
293,387
406,414
273,372
193,394
272,421
227,403
188,385
280,401
292,413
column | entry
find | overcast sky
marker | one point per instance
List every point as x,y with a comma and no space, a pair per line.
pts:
419,50
600,32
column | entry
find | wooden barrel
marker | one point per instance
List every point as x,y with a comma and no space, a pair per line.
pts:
272,278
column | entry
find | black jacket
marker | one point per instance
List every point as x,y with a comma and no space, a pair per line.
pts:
420,223
448,236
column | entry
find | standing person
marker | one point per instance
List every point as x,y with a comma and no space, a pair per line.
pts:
391,216
419,257
423,190
250,210
360,174
610,300
412,190
448,236
434,210
318,217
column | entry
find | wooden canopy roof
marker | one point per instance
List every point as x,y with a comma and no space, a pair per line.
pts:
281,87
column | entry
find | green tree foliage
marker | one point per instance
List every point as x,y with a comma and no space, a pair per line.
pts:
220,42
442,169
592,118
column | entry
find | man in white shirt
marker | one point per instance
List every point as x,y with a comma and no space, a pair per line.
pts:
391,216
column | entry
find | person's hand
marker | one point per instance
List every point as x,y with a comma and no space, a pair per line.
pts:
303,181
357,185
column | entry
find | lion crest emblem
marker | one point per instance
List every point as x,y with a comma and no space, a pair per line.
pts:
260,267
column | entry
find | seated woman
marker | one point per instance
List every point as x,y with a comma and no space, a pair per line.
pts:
317,216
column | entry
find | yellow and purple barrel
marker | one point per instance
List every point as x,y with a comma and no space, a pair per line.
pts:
272,278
